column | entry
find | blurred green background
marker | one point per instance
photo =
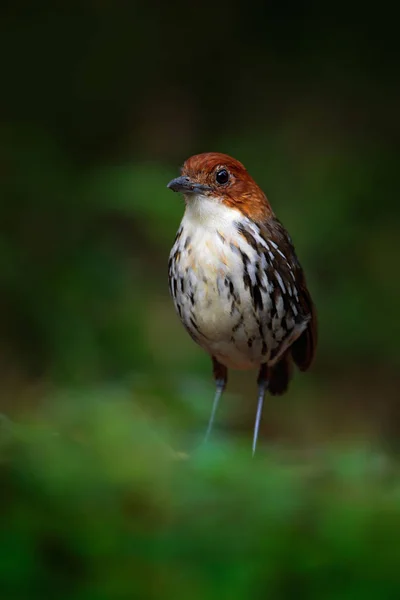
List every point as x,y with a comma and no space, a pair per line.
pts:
101,102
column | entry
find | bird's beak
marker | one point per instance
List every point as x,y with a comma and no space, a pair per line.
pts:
186,186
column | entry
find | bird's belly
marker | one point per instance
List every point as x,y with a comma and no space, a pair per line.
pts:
227,327
218,311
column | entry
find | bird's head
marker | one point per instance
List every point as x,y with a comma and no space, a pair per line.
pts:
219,178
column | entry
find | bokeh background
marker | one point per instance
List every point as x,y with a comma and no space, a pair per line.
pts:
105,490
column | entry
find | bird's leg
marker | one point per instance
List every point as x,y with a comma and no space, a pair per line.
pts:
262,382
220,376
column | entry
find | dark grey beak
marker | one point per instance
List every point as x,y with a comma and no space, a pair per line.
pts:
186,186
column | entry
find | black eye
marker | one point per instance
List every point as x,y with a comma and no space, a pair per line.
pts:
222,176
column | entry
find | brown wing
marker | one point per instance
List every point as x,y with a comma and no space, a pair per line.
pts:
303,349
281,267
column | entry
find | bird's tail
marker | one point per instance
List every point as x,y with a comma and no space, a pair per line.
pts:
280,375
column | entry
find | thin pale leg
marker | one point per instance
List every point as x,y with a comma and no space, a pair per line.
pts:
262,388
220,377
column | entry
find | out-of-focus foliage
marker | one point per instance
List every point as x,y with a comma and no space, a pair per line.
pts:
100,104
99,506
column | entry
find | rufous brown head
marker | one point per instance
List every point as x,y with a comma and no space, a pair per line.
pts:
225,179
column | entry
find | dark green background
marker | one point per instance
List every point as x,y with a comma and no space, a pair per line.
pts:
100,104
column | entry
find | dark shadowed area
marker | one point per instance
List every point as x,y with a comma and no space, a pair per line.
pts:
105,489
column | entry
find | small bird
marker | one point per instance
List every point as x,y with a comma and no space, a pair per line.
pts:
235,279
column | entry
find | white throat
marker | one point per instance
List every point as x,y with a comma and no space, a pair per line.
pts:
209,213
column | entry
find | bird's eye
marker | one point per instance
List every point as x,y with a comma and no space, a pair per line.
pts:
222,176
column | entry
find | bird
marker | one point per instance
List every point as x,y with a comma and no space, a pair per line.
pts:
236,282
